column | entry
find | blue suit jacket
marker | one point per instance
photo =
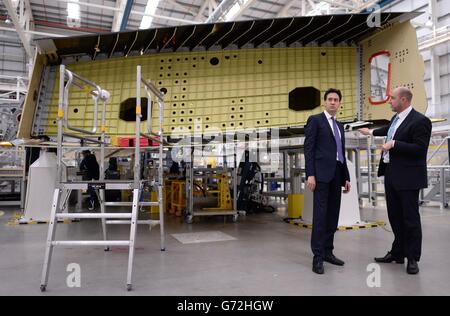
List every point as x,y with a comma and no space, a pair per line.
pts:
320,149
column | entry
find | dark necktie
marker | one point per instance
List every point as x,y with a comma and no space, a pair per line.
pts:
338,141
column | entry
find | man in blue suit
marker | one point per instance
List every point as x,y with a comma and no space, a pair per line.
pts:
326,174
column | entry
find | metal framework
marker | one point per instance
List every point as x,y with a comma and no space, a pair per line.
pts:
12,88
63,189
19,23
10,176
193,172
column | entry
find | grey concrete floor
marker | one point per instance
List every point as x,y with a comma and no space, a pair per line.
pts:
268,257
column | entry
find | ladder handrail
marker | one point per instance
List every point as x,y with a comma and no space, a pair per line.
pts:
149,86
98,94
149,89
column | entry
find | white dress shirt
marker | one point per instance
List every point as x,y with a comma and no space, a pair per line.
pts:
330,121
401,117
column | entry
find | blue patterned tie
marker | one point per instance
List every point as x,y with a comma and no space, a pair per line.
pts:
391,130
389,137
338,141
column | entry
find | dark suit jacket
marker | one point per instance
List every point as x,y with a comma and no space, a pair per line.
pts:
408,158
320,149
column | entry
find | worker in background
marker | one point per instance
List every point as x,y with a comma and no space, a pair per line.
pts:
112,173
326,174
174,169
91,171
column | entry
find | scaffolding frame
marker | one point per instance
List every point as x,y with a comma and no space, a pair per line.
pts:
191,169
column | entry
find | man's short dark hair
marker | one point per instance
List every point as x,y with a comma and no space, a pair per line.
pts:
332,90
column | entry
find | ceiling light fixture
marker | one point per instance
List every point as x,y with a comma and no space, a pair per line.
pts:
150,9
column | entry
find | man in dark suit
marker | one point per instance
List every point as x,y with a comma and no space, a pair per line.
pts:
404,166
326,173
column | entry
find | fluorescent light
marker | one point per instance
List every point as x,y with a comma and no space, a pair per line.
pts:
151,7
320,8
73,10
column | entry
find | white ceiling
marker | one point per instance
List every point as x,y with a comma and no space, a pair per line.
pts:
50,16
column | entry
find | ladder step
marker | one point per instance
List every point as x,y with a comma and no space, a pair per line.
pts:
91,243
131,204
118,203
149,203
92,215
143,222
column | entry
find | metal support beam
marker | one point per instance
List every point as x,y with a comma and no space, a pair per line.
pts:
9,29
11,39
438,35
435,84
366,6
434,15
435,73
118,15
312,4
199,15
244,6
126,15
212,6
220,11
183,7
11,86
355,6
28,8
28,15
340,4
25,39
284,11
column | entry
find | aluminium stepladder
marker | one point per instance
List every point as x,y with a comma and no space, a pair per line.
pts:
63,189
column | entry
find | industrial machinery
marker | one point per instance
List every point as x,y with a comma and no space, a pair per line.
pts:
218,186
250,190
12,176
12,98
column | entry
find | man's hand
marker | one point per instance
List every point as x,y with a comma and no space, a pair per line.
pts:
388,146
347,187
311,183
364,131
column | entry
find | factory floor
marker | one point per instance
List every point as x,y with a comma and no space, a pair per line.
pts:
266,257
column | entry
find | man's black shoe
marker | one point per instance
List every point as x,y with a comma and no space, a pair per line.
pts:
333,260
390,258
412,267
318,267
